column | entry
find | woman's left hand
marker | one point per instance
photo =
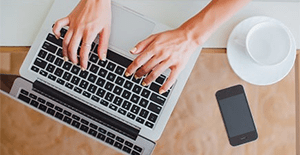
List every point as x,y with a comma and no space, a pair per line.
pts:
171,49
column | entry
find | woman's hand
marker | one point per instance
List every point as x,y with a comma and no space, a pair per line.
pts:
170,49
89,18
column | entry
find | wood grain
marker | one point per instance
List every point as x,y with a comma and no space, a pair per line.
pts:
195,126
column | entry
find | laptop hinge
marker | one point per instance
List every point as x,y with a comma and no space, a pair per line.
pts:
88,111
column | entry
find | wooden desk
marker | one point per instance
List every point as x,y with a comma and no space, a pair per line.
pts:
195,126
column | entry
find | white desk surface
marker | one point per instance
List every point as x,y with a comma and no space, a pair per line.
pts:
20,20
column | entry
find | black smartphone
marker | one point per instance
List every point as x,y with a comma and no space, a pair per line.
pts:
236,115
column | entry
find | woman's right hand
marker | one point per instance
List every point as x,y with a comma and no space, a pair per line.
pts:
89,18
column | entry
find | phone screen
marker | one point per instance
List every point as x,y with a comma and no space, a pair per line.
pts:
236,115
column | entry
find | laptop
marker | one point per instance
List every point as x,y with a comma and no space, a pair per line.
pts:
99,102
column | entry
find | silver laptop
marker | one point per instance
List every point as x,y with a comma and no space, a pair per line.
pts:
100,102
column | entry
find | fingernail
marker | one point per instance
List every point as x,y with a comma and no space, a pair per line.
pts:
103,57
161,91
75,63
66,58
136,77
144,83
127,74
133,50
83,69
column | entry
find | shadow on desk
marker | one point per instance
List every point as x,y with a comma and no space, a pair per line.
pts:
195,126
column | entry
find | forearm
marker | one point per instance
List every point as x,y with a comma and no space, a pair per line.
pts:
200,27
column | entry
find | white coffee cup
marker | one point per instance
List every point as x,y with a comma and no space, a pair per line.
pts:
267,43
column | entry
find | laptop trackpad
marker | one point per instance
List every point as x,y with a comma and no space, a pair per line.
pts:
127,28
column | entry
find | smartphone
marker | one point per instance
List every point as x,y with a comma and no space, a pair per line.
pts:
236,115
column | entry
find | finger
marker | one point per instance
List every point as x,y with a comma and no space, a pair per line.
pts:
141,46
60,24
87,40
66,42
138,62
170,81
158,70
73,46
148,66
103,43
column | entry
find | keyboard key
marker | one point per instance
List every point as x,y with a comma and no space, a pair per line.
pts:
109,141
92,132
119,70
126,149
35,69
49,47
137,148
118,59
109,86
70,86
155,87
41,100
94,58
101,136
78,90
50,57
84,128
160,79
119,139
152,118
122,111
111,135
134,153
24,92
75,69
83,84
120,81
63,32
126,105
40,63
155,108
103,102
136,80
111,77
58,109
58,72
126,94
51,77
50,68
110,66
140,120
53,39
58,62
100,92
145,93
60,81
50,111
137,89
75,124
129,144
128,85
67,119
102,63
67,65
93,126
130,115
59,52
92,88
113,107
100,82
92,78
50,104
24,98
67,76
143,103
59,115
95,98
43,73
75,80
109,96
102,72
144,113
94,68
118,101
157,99
32,96
135,98
67,113
148,124
117,90
42,54
135,109
84,121
118,145
75,117
86,94
83,74
103,131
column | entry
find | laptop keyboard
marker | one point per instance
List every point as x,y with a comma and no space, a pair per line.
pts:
79,123
104,81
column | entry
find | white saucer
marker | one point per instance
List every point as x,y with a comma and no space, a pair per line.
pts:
245,67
